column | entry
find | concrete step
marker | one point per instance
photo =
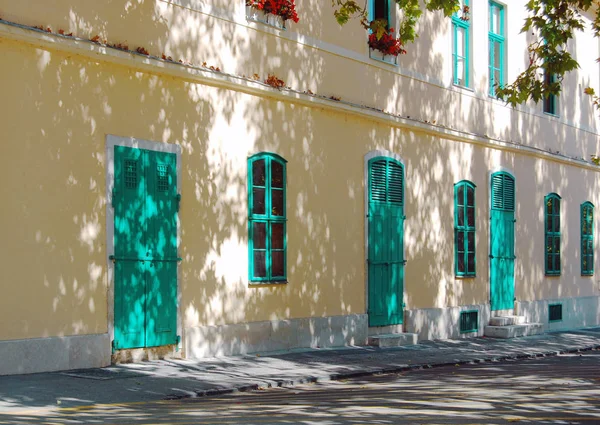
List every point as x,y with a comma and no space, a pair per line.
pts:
507,320
513,331
393,340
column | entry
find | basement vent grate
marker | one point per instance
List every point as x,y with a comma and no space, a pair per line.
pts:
555,313
469,321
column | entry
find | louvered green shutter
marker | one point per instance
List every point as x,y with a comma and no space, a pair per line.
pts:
552,234
386,247
502,243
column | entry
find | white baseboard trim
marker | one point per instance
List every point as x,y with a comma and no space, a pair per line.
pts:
227,340
54,353
578,312
443,323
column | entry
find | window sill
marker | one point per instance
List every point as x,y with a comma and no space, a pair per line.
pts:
552,275
268,19
267,283
551,115
461,87
380,57
465,277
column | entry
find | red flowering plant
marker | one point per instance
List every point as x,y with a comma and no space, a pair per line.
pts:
284,8
386,42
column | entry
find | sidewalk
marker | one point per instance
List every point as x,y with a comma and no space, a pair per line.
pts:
168,379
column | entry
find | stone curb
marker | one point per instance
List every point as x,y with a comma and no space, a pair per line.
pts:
374,372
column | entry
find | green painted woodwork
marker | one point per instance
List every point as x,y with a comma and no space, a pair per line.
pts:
502,246
496,46
267,233
460,48
145,239
552,234
385,241
587,239
469,321
464,229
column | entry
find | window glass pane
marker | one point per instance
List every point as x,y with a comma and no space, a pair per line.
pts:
471,241
471,217
460,41
259,233
278,266
549,244
549,262
584,248
557,206
471,263
557,263
556,221
260,264
460,195
276,174
277,202
277,235
461,216
556,246
258,198
495,24
549,224
380,9
460,241
258,173
497,80
461,264
470,196
549,206
460,72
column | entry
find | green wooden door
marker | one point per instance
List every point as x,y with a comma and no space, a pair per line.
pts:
145,239
385,242
502,247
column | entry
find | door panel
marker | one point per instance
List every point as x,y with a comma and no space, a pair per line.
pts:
502,248
385,241
145,202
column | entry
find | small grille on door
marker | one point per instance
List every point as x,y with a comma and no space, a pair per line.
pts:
469,321
555,312
162,178
130,173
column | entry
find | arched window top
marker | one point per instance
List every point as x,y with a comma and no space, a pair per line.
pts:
503,191
553,195
386,181
272,155
587,204
465,182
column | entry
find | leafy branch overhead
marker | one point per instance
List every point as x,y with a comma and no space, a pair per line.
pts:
553,23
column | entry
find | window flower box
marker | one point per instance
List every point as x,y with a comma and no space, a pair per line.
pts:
385,46
271,12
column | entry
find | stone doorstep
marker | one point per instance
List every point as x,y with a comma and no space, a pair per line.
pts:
507,320
393,340
513,331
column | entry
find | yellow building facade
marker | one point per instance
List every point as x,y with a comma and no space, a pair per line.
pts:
94,93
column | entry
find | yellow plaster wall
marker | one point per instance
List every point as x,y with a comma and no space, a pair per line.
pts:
54,265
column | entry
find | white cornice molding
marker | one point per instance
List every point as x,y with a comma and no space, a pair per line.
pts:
157,66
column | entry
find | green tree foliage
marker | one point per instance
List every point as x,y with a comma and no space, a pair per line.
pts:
553,23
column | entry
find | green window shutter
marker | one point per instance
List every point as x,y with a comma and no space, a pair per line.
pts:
267,217
496,47
587,239
552,235
503,191
464,229
460,47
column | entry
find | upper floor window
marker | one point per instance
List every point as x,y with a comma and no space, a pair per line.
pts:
460,45
380,9
550,102
552,234
267,241
464,229
496,47
587,239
